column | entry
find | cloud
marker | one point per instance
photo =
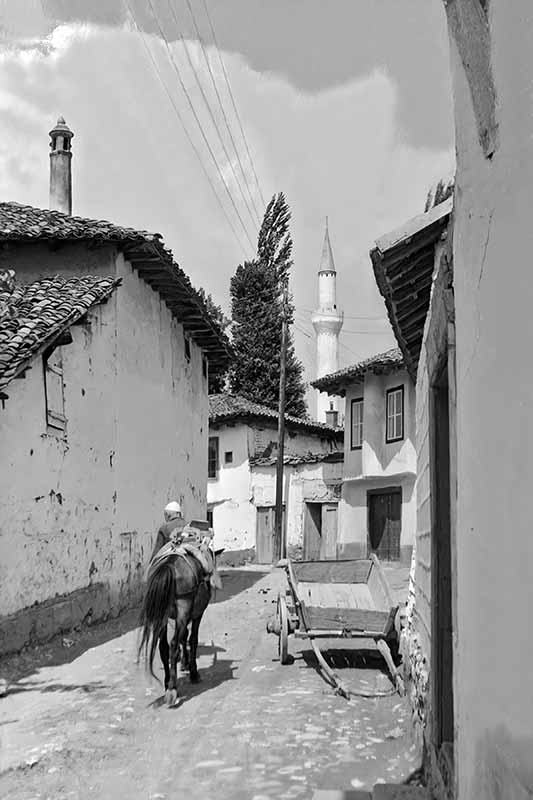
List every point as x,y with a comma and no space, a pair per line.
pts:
338,152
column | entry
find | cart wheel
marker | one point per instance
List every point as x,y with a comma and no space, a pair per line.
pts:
283,641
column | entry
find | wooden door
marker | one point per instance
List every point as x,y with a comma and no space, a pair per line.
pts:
328,547
385,524
265,533
312,531
264,545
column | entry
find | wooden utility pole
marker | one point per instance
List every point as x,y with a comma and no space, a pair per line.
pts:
280,548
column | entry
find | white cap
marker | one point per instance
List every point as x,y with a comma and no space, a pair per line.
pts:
172,510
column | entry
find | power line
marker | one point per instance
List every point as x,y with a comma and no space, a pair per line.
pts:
200,126
221,104
226,78
210,110
187,134
346,316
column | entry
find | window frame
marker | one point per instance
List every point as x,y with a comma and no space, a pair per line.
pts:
217,458
389,393
358,400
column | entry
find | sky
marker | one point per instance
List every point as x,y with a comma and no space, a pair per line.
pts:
345,105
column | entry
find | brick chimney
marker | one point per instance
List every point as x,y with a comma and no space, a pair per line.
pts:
332,417
61,167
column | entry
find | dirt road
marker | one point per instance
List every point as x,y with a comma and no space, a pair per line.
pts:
95,726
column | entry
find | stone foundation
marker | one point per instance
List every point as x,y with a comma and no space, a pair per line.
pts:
41,622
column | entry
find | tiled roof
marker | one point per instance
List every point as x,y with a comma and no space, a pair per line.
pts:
382,364
404,262
297,459
226,407
35,314
144,250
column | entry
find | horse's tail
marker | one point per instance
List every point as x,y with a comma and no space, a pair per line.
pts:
158,599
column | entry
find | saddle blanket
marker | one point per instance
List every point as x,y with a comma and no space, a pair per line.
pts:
202,553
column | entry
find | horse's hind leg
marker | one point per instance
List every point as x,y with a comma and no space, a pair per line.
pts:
185,658
164,653
175,644
193,647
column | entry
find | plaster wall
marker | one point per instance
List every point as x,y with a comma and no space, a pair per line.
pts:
353,515
229,496
377,464
82,512
240,488
303,483
378,458
493,241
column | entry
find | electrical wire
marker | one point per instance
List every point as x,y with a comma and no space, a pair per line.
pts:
221,104
185,130
210,111
198,122
226,78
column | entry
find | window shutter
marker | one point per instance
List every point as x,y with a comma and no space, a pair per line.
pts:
54,389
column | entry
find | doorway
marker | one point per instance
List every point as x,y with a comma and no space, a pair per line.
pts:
320,531
385,523
441,571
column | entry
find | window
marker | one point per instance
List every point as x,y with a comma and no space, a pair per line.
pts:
204,367
228,457
357,424
187,349
212,460
54,390
394,414
210,518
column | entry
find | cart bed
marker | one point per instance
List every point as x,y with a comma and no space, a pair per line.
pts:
349,596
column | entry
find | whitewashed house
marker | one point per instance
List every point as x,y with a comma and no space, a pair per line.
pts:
378,499
242,476
104,356
457,284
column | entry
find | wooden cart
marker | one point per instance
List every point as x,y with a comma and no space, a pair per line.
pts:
338,599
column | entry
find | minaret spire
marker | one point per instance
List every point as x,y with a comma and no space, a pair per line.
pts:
327,322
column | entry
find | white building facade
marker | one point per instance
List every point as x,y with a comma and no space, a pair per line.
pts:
241,486
377,511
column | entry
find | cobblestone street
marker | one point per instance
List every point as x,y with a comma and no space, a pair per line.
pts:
96,726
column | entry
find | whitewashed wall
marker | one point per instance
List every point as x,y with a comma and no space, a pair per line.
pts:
377,464
493,242
81,515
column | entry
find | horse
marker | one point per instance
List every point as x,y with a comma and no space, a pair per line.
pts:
180,589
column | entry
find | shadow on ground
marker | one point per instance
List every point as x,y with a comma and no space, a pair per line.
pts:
67,647
235,581
218,672
42,686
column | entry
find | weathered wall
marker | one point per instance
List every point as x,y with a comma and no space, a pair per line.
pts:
377,464
229,496
416,644
493,242
303,483
78,516
238,489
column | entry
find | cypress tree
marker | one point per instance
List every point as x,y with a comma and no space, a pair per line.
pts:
257,313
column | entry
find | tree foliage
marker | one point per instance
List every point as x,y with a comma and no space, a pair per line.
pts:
439,193
257,314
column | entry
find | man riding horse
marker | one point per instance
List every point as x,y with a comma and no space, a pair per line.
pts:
180,579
